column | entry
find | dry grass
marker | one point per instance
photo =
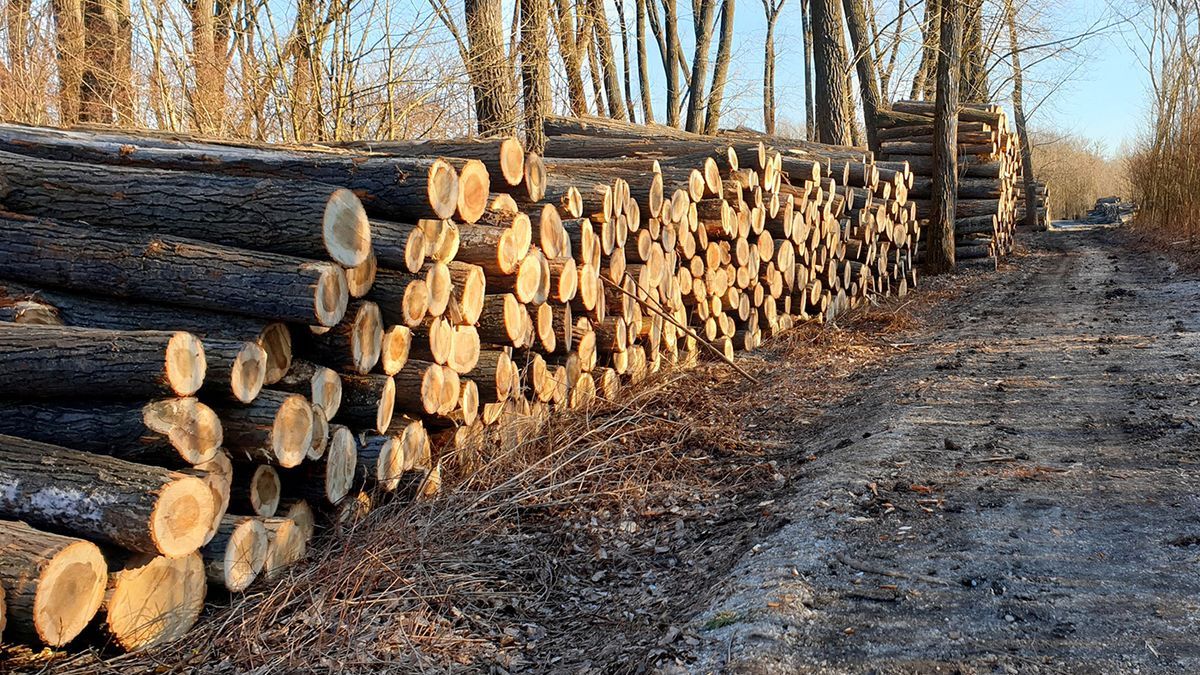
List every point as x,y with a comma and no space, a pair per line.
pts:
579,546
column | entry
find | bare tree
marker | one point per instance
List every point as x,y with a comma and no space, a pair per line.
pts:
210,44
810,118
704,13
939,254
974,80
643,63
572,56
608,61
625,71
673,52
831,95
868,84
488,68
1018,86
69,35
16,98
106,61
535,70
716,95
772,8
923,80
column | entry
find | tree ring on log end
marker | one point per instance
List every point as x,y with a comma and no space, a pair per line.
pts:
69,592
155,599
291,434
332,296
249,372
366,337
245,554
442,188
182,516
474,188
276,341
535,177
192,427
346,230
512,161
185,363
341,460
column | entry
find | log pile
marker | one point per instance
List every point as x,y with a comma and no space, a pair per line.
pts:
989,169
217,350
1044,213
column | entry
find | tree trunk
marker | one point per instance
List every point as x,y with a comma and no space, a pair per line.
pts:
535,76
152,599
394,187
673,53
974,59
769,76
488,68
608,61
939,251
137,507
923,80
169,430
868,84
55,361
276,428
1030,182
831,68
106,90
702,23
53,584
173,270
643,64
810,89
716,95
626,73
70,39
564,28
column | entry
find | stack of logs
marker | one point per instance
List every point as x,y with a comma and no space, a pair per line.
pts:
214,350
989,167
1042,196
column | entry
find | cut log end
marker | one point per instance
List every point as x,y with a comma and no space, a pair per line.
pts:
535,177
387,405
193,429
185,364
341,461
443,188
70,589
285,546
276,341
249,372
366,337
182,517
469,402
440,285
470,301
360,278
346,230
512,161
332,295
414,250
320,434
415,304
326,388
397,340
245,555
154,599
474,188
291,433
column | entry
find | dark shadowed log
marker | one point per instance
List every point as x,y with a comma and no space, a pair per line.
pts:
275,429
172,270
182,429
59,362
368,401
322,386
256,490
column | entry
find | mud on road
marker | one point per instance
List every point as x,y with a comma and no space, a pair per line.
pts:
1018,492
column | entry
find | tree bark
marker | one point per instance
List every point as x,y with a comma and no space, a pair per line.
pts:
368,402
716,95
867,81
488,68
673,53
643,64
137,507
608,61
831,68
564,28
70,39
625,71
702,23
923,80
939,251
1030,182
172,270
974,59
535,74
53,584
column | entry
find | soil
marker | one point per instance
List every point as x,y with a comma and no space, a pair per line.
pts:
1017,494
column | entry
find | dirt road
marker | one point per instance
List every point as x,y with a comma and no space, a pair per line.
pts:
1020,494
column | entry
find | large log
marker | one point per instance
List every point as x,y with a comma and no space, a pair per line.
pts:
285,545
322,386
503,157
179,429
354,344
53,584
403,187
276,428
60,362
329,481
172,270
152,599
368,401
235,369
296,218
137,507
23,303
